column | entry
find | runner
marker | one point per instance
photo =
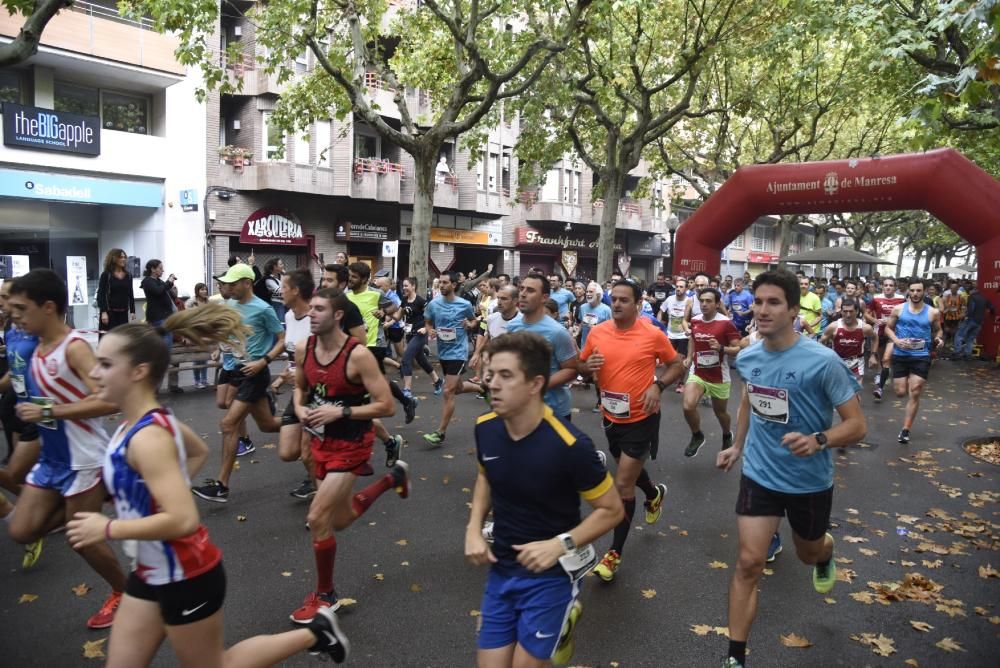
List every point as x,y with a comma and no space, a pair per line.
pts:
882,307
507,312
562,297
67,477
784,426
225,388
623,353
531,300
447,317
338,391
541,548
673,313
416,339
739,301
178,586
810,306
593,313
701,280
713,340
910,329
849,336
952,310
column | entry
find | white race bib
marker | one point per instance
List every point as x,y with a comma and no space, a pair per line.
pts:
769,403
707,358
617,404
407,328
446,334
590,319
579,562
17,382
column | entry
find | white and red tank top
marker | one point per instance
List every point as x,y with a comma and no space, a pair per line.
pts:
848,343
881,308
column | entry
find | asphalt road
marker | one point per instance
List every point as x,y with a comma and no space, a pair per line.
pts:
417,600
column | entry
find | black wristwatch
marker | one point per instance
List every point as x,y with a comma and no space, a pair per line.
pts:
347,412
660,384
821,439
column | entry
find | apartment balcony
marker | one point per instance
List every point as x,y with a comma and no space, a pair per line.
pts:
631,215
102,32
284,176
557,212
495,203
377,179
446,193
253,79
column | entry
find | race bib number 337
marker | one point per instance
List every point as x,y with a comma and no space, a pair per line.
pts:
769,403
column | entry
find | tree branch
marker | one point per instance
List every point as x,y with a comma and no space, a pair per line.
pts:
25,45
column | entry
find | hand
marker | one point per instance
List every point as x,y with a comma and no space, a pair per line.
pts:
422,330
475,362
800,445
489,268
595,362
172,278
477,550
104,318
251,258
86,529
251,369
379,313
29,412
725,459
714,344
324,415
132,317
873,360
540,555
215,355
938,342
687,362
651,400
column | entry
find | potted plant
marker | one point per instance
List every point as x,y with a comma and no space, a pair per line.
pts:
235,155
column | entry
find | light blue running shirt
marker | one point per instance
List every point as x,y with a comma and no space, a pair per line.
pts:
446,317
563,348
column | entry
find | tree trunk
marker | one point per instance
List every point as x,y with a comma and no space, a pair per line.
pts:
785,224
609,220
423,213
899,260
927,262
822,237
916,262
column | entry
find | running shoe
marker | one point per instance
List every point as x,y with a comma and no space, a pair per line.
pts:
212,490
439,387
825,576
608,566
392,448
314,601
407,392
694,445
730,662
31,553
877,393
564,649
654,508
774,549
904,436
727,440
330,640
401,478
244,446
104,617
434,438
173,390
306,490
410,409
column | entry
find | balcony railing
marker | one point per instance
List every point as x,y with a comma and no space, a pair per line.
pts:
378,166
373,82
111,14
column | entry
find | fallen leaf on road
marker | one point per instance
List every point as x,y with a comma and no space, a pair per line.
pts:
81,589
474,613
346,601
950,610
921,626
721,631
701,629
445,480
94,649
829,601
404,563
865,597
648,593
949,645
880,644
401,541
793,640
844,560
269,446
868,553
912,662
988,571
931,564
286,574
27,598
981,611
241,518
448,456
415,588
768,571
855,539
907,563
718,564
379,576
846,575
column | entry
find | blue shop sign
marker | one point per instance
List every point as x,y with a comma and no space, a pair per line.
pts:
34,127
70,188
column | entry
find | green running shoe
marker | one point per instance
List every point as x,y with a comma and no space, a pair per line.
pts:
434,438
825,576
564,650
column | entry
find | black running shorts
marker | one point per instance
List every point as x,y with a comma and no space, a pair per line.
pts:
251,389
638,440
905,366
680,345
394,334
808,514
453,367
288,417
183,602
227,376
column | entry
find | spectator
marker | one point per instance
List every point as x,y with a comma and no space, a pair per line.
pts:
159,306
200,299
115,297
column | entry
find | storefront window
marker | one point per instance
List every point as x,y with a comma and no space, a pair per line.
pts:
10,87
125,113
77,99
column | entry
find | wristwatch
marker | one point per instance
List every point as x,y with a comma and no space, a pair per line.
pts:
567,542
821,439
660,384
47,413
347,412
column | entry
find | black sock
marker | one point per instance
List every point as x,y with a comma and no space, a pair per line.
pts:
698,434
738,650
882,378
397,393
621,531
646,485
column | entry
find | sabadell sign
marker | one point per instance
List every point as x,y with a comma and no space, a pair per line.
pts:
32,127
272,227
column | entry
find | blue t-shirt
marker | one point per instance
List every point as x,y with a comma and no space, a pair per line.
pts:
394,298
446,317
829,305
260,317
563,348
793,390
590,316
564,467
564,298
740,305
20,347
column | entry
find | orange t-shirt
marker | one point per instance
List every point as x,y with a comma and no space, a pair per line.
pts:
630,357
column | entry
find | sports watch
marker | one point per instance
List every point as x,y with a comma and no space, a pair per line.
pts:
567,542
346,414
821,439
660,384
47,413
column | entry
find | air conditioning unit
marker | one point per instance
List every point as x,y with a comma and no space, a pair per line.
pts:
236,124
237,31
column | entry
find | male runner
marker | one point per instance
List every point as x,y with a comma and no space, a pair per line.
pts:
592,313
660,289
374,307
541,548
713,340
623,353
338,390
447,316
911,329
673,313
251,377
67,477
531,302
783,427
810,305
881,308
851,291
700,282
848,336
507,312
562,296
739,301
225,388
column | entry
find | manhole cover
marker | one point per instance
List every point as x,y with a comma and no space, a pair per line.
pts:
986,449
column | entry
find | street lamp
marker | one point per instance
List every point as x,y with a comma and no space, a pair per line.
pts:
223,193
673,222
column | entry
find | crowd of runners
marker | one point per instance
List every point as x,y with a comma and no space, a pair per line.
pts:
346,348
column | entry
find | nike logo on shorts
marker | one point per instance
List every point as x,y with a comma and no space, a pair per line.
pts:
185,613
490,459
543,636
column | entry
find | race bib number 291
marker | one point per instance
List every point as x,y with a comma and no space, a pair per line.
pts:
769,403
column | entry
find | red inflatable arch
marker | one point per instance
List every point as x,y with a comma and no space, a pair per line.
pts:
942,182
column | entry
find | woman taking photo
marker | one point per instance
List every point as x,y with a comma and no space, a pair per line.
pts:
115,298
416,338
177,588
159,306
200,299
